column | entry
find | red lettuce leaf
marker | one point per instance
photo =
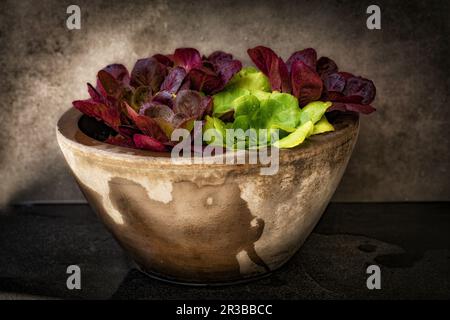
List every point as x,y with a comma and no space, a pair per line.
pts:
206,80
188,58
339,97
353,107
358,86
164,59
191,104
308,56
140,96
188,106
128,131
95,95
160,111
119,72
349,93
147,125
345,75
224,65
112,81
148,72
163,97
306,83
148,143
325,66
121,141
100,111
186,84
206,106
272,66
334,82
166,119
174,80
108,86
219,56
286,85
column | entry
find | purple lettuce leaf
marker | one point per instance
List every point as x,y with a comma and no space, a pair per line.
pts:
349,93
164,59
308,56
94,94
334,82
121,141
188,106
360,108
112,81
174,80
128,131
108,114
191,103
147,125
145,142
205,80
140,96
325,66
339,97
163,97
108,86
358,86
148,72
119,72
224,65
187,58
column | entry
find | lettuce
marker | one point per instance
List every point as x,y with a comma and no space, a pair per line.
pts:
309,79
251,79
296,137
322,126
314,111
253,108
162,93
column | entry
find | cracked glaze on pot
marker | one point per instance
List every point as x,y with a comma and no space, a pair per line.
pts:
207,223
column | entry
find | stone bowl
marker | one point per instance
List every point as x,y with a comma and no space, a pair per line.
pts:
200,223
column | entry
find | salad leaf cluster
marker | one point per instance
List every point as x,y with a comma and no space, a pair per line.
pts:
166,92
310,79
247,102
162,93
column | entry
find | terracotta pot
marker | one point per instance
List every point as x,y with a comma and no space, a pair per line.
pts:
207,223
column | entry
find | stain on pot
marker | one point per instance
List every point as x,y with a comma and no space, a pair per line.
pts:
195,236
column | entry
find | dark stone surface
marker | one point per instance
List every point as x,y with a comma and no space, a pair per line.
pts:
402,154
410,243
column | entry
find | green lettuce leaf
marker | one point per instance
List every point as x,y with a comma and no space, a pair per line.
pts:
251,79
322,126
219,128
280,111
314,111
225,101
245,105
297,137
241,122
261,95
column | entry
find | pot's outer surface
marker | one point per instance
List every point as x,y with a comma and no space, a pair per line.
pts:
208,223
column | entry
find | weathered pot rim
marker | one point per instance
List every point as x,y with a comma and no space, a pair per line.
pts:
69,135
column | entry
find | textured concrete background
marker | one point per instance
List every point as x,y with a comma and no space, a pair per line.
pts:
403,150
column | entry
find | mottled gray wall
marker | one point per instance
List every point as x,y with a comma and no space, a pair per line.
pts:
403,150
